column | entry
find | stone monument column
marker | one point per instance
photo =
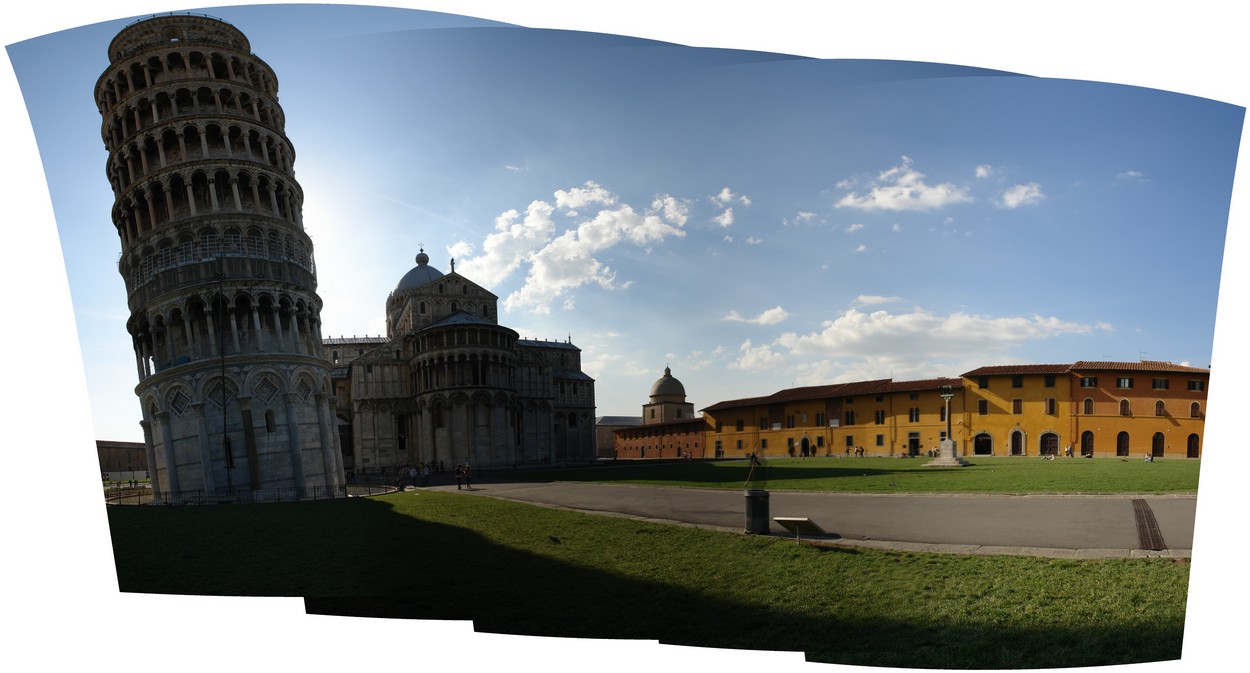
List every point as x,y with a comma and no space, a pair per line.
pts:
948,453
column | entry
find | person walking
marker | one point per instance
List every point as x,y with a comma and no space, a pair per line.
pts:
459,476
468,477
425,474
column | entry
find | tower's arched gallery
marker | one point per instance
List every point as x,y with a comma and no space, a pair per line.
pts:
220,280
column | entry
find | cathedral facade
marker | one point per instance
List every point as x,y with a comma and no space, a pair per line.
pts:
448,384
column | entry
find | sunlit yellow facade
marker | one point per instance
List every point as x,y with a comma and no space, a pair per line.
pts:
1095,409
1018,410
1129,411
868,418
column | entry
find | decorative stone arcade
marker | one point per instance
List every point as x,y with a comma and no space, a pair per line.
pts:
221,285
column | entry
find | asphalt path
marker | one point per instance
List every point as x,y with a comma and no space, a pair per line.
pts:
1081,526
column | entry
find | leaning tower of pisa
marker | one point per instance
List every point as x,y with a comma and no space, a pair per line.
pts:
219,274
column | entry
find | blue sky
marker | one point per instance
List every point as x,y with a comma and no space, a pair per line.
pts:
752,219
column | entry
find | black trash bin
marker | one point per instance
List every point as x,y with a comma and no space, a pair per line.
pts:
757,511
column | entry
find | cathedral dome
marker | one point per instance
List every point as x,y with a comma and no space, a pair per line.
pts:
420,275
667,386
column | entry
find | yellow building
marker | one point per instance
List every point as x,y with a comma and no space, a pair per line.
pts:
1103,409
872,418
1087,409
1130,409
1018,410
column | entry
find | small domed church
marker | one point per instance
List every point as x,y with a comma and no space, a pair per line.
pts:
668,427
448,384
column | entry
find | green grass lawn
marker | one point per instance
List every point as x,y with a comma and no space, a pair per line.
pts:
434,555
900,475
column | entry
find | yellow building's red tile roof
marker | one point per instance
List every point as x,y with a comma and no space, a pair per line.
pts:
1142,366
851,389
885,386
1018,370
925,384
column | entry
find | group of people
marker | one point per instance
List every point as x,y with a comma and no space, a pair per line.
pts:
464,475
419,471
1067,452
419,474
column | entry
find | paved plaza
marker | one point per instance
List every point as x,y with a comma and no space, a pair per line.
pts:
1065,526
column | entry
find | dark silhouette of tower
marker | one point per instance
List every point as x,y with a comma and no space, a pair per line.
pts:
220,280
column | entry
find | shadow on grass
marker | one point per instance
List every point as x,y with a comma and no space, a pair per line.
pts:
361,558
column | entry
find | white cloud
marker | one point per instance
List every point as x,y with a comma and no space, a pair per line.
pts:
751,240
560,262
511,244
727,196
725,219
903,188
923,335
568,261
803,217
770,317
1135,176
564,264
896,227
861,247
460,249
757,357
872,299
672,209
854,228
984,171
860,346
1023,195
579,197
513,169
